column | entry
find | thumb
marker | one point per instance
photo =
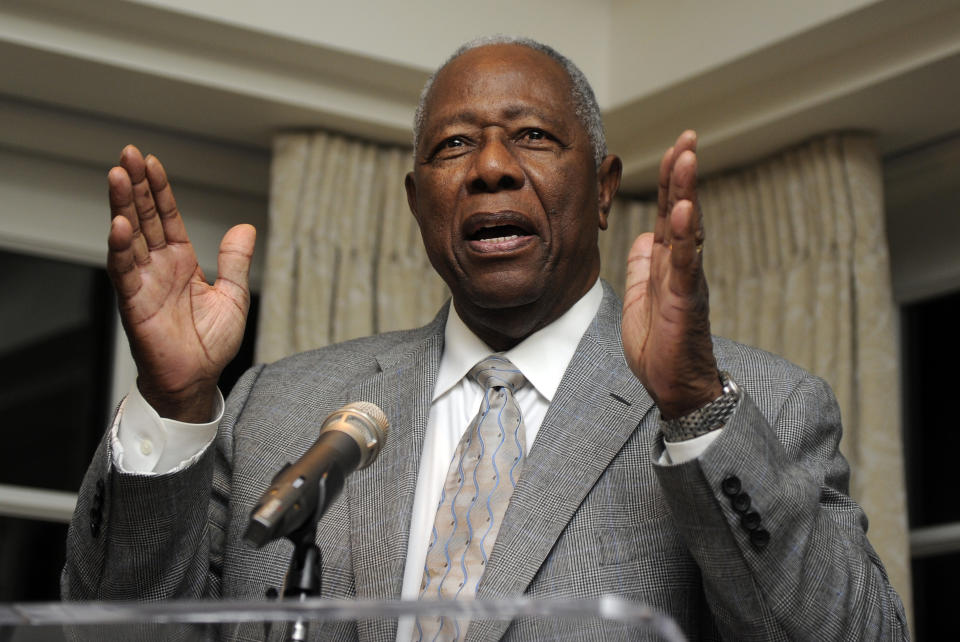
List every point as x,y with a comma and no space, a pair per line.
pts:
233,261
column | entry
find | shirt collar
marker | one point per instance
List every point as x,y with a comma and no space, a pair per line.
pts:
542,357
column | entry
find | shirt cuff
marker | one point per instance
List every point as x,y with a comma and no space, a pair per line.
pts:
682,451
145,443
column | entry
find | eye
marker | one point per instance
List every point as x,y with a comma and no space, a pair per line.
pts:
536,138
450,147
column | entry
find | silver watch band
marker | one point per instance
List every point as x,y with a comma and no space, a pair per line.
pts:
707,418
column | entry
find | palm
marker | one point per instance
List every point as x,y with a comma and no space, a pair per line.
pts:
182,331
175,307
666,325
640,326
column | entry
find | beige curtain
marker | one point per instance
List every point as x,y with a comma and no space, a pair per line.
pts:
344,256
796,257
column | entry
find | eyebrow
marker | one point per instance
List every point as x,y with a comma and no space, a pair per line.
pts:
519,111
511,112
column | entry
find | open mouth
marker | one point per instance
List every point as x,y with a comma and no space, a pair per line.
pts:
498,233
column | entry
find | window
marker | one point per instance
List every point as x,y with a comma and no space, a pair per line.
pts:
57,336
931,358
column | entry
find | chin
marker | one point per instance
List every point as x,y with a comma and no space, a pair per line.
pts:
501,292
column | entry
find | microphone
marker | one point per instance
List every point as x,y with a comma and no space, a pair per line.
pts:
350,439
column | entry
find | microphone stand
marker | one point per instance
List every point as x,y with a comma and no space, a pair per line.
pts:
303,578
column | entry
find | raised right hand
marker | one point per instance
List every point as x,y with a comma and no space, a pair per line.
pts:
666,310
182,331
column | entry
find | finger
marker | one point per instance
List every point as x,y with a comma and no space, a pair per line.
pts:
684,187
683,179
132,160
173,228
233,262
682,183
666,194
121,263
638,262
663,186
686,140
120,192
685,257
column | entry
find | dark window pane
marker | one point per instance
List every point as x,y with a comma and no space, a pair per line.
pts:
31,556
934,596
56,323
931,354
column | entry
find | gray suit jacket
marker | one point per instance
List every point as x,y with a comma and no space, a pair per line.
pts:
592,513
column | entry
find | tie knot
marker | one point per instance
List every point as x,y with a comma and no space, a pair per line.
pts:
496,371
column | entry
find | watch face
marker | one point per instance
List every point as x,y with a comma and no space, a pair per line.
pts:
729,385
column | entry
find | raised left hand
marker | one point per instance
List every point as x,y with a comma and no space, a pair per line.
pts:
666,311
182,331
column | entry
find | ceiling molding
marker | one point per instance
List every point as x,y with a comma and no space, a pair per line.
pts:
96,141
186,73
874,78
886,67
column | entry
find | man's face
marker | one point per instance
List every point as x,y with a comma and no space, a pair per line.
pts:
505,188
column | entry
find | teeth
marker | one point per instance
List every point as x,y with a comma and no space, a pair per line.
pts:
500,239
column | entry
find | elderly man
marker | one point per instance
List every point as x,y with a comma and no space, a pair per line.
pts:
631,452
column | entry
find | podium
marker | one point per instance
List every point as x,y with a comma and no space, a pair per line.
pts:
606,618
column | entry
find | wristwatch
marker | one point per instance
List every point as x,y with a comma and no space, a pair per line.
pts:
706,418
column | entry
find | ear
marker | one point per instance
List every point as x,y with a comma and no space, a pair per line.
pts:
410,184
608,181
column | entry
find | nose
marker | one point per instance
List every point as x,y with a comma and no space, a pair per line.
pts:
495,167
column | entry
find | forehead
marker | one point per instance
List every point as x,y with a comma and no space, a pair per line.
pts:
506,79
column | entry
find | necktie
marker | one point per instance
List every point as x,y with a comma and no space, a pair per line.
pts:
483,473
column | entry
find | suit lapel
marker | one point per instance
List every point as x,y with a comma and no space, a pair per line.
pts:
596,409
381,496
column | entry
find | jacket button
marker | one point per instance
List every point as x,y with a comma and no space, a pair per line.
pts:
760,538
95,519
730,485
740,502
751,520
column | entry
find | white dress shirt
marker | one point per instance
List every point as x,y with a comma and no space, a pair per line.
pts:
145,443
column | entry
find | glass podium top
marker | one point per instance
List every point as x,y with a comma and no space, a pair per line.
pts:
604,618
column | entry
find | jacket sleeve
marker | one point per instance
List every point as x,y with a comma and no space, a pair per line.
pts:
764,511
153,537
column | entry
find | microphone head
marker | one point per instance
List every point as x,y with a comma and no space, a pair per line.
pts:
366,423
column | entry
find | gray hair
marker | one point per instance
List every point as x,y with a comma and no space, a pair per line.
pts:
581,94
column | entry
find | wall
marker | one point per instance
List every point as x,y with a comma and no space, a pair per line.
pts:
923,219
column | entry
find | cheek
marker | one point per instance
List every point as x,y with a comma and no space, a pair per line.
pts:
435,234
571,204
554,185
435,206
437,189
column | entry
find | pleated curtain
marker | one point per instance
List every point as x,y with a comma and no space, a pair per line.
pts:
344,256
796,258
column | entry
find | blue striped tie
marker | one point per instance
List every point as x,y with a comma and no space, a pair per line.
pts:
482,475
